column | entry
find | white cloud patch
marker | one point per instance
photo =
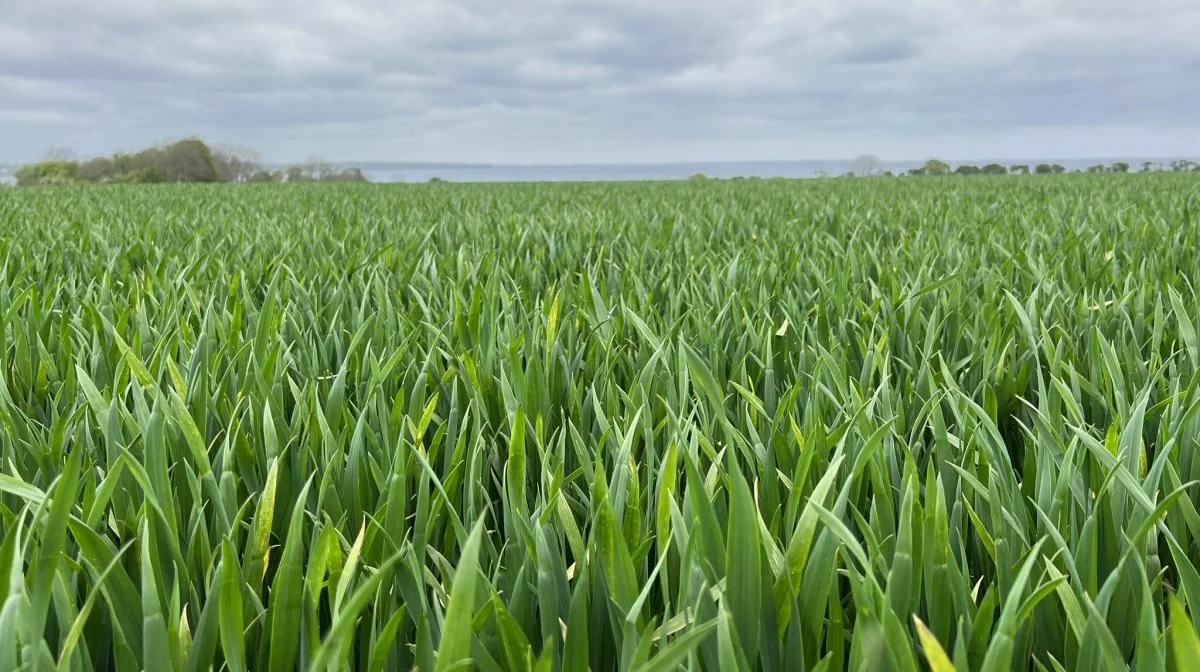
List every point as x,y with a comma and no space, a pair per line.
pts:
593,80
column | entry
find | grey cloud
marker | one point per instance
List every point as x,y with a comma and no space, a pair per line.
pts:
478,80
883,52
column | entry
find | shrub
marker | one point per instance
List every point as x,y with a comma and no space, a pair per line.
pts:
48,172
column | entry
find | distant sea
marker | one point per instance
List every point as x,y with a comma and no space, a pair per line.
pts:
422,172
389,171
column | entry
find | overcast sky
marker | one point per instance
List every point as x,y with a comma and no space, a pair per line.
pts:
574,81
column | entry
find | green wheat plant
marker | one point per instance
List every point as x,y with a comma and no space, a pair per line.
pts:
707,425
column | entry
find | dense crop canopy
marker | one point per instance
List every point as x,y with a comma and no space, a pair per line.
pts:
752,425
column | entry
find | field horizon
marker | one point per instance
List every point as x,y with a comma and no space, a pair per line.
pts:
617,171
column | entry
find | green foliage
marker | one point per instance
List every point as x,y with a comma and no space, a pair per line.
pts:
297,174
320,171
347,175
263,176
97,170
763,425
187,160
935,167
147,175
994,169
47,172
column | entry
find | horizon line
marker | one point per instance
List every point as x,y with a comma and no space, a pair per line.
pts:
555,164
687,162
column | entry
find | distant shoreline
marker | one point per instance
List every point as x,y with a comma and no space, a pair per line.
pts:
424,171
458,165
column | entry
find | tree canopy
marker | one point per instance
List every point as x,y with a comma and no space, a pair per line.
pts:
936,167
187,160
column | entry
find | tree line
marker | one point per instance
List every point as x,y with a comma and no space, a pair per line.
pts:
187,160
868,165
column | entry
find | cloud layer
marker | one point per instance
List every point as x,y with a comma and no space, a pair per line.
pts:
617,80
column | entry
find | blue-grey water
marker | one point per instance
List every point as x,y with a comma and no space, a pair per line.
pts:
386,172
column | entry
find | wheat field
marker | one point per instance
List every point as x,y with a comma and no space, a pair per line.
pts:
881,424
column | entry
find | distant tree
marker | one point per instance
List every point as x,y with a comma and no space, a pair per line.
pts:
1043,169
122,162
47,172
697,177
1019,169
1120,167
1182,166
916,171
236,163
994,169
261,176
1147,166
99,169
146,166
186,160
319,169
1098,168
436,180
297,174
967,170
189,161
866,165
1056,168
147,175
347,175
935,167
